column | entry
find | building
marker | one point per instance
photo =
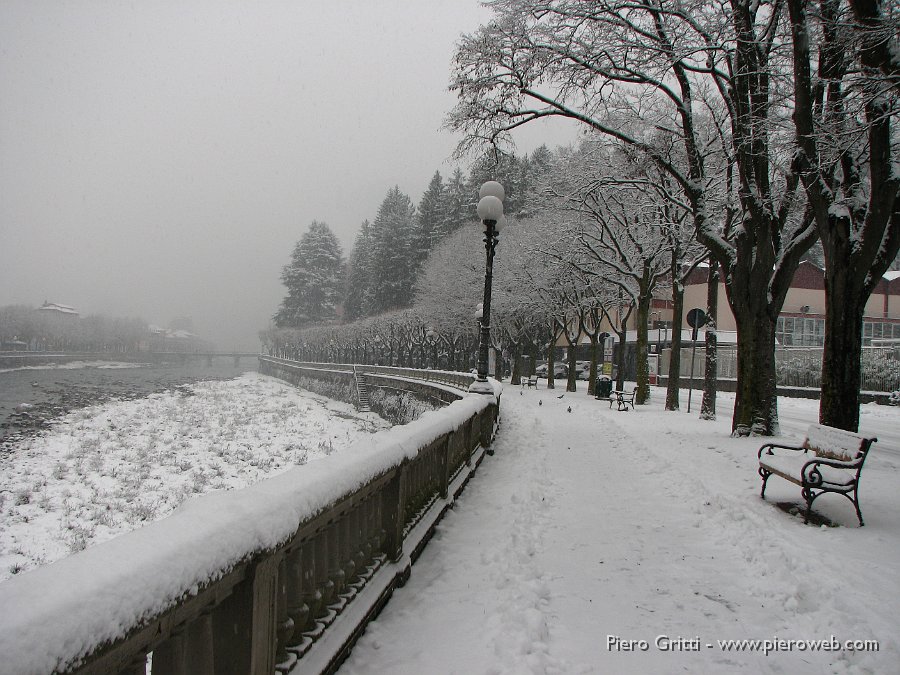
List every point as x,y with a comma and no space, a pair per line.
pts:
55,309
801,322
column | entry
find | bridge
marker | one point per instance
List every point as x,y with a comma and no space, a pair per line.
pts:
257,580
185,357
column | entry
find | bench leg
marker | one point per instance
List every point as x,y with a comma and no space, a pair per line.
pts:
855,500
810,496
765,478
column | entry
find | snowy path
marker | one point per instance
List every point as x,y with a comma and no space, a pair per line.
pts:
595,523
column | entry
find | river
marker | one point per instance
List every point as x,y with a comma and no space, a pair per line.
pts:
31,397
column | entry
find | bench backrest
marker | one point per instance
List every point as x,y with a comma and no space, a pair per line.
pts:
831,443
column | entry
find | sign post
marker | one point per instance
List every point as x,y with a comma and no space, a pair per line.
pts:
695,318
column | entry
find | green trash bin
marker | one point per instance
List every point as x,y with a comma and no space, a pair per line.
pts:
604,386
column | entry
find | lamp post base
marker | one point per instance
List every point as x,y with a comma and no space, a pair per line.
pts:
481,387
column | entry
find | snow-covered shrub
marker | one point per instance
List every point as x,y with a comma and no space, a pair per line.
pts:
880,370
798,372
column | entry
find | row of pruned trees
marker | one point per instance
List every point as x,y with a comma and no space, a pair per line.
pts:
770,125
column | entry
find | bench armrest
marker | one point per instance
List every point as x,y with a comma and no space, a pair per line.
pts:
813,477
836,463
770,446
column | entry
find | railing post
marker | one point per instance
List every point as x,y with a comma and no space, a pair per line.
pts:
297,607
324,584
335,560
189,651
245,624
311,594
284,622
394,512
444,467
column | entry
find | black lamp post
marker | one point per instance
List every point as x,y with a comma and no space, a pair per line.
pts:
490,211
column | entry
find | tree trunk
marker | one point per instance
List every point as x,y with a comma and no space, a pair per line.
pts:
571,384
620,378
592,375
756,403
516,376
641,365
551,360
839,403
710,381
673,389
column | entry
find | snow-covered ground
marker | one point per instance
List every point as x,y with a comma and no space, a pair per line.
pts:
111,468
598,541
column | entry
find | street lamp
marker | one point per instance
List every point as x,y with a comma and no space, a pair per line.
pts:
490,211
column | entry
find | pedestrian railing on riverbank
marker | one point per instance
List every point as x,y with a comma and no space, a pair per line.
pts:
256,580
445,377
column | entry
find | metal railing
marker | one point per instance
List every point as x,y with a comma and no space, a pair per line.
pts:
799,367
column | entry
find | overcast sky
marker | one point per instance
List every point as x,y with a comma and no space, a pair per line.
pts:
160,159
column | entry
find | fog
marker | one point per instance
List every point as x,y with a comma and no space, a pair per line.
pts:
161,159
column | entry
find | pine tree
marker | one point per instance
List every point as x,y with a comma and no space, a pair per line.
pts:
314,279
534,171
504,168
359,294
458,204
429,223
393,267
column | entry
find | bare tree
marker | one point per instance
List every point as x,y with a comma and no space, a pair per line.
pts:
846,98
627,226
654,65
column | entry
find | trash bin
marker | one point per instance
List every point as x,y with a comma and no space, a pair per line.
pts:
604,386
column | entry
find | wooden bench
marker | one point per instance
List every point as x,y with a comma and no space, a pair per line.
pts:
624,399
829,460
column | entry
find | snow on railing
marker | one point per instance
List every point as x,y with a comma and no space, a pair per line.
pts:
252,580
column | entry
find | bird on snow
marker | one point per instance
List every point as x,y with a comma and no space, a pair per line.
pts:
569,408
540,401
560,396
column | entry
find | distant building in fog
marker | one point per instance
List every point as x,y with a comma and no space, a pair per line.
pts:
55,309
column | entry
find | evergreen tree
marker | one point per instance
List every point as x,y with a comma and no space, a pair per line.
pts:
393,262
534,171
314,279
359,291
458,204
506,169
429,223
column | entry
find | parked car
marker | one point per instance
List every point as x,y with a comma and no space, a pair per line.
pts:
559,370
584,370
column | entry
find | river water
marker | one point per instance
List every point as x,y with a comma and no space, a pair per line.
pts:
31,397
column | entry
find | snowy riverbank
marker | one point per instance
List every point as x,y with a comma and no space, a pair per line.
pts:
110,468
